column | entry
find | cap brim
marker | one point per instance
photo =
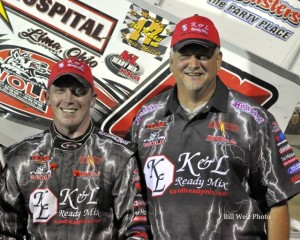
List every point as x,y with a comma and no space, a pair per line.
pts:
183,43
84,82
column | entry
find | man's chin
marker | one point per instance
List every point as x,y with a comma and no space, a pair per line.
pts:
67,123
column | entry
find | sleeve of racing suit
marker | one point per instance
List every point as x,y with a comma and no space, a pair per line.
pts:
132,134
130,203
12,208
273,167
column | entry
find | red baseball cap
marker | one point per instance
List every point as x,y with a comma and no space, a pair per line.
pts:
73,67
196,29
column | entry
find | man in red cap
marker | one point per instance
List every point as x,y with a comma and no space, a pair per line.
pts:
216,164
72,181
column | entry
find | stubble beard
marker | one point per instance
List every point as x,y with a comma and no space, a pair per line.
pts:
193,85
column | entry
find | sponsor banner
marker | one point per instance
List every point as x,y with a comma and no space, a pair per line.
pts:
267,28
127,47
146,31
268,16
39,33
23,78
84,24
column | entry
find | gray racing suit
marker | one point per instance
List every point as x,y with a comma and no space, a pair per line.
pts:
53,187
217,175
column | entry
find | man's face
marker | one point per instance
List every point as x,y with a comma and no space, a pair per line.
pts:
195,67
70,102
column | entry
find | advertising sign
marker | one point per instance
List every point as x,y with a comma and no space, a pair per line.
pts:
126,44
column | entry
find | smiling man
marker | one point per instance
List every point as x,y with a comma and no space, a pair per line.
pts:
217,165
72,181
71,95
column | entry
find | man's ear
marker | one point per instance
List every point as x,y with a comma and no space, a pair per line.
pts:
93,101
47,97
171,61
219,60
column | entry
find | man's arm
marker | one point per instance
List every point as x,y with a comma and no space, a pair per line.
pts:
279,222
13,216
131,211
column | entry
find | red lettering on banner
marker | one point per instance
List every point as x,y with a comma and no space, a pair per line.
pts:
16,83
3,76
129,57
278,8
29,90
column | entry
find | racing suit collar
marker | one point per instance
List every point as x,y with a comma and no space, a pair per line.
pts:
216,103
64,142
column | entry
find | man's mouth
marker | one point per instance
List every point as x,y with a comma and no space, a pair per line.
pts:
68,110
194,74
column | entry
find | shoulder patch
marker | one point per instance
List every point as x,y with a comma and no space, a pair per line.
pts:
114,137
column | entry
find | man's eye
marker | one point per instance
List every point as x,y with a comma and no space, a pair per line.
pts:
80,91
60,90
203,57
184,56
199,57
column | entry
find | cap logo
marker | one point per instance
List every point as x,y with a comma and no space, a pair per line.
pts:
196,30
76,65
61,65
184,27
200,28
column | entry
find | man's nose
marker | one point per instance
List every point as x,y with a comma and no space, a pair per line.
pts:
69,96
194,62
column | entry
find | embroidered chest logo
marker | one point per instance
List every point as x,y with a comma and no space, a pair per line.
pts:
159,174
43,205
220,140
190,175
40,157
154,139
156,125
41,173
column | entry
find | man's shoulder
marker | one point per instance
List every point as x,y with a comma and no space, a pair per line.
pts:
115,140
248,106
241,98
155,103
159,98
154,106
21,151
23,145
